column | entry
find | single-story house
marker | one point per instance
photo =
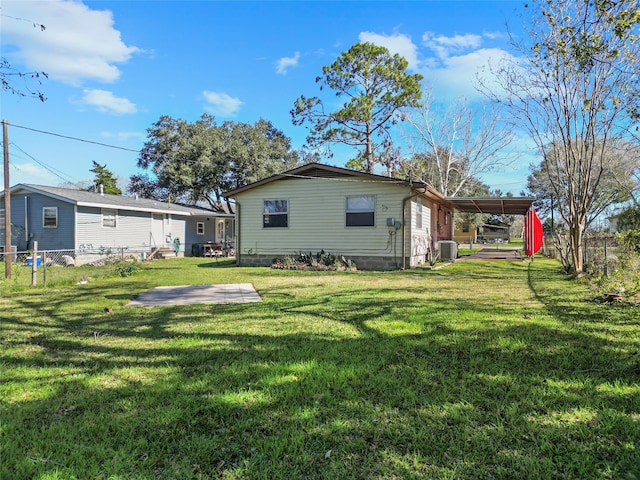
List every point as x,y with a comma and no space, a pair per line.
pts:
380,223
92,222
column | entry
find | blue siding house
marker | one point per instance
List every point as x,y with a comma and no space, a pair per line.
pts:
67,219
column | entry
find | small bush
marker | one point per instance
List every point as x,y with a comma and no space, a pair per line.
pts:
623,276
321,261
126,269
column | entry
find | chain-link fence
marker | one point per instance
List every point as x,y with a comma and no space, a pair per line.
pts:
600,251
69,258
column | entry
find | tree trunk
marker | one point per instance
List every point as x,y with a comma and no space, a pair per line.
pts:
369,151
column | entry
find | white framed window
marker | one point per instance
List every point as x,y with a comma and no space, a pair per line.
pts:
50,217
419,213
275,213
109,217
360,211
199,228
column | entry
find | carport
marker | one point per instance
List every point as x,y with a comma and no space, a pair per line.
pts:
494,206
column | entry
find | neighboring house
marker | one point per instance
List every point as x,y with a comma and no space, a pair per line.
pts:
494,233
466,232
90,222
380,223
613,223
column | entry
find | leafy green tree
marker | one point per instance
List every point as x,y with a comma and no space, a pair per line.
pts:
375,86
196,162
104,179
569,89
629,219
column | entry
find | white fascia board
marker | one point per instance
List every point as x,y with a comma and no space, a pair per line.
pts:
132,209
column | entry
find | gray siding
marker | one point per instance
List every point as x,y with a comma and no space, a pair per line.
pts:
212,231
27,230
132,230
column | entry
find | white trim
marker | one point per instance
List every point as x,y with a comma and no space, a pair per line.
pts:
43,216
112,212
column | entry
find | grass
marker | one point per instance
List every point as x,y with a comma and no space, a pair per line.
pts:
478,370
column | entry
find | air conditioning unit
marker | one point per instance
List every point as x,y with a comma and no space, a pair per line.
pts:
13,253
448,250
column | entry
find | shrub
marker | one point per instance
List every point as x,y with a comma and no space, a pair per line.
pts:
308,261
126,268
625,277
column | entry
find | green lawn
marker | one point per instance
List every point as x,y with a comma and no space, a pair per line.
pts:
476,370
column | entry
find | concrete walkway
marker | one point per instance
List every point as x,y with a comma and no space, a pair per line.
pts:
197,294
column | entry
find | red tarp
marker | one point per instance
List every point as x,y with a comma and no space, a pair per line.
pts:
532,233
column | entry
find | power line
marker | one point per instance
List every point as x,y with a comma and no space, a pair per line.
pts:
74,138
50,169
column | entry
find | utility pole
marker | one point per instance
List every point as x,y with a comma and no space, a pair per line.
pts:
7,203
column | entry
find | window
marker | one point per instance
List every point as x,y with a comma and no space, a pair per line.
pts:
465,228
361,211
200,228
109,216
50,217
2,218
419,213
275,213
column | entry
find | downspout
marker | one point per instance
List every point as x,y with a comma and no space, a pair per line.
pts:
238,254
26,219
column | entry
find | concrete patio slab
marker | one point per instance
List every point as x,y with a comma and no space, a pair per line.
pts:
197,294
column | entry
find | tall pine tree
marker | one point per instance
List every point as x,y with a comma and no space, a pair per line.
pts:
104,177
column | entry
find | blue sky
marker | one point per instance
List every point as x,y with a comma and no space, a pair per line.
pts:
116,66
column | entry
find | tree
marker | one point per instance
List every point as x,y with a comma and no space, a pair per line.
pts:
197,162
104,179
568,90
613,187
9,74
454,145
629,219
375,86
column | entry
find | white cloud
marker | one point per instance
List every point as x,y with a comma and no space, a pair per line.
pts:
123,136
219,103
444,46
31,173
285,63
78,44
105,101
396,43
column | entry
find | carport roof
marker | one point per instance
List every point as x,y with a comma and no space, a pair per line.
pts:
496,206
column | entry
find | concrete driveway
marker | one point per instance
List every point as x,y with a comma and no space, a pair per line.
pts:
197,294
488,253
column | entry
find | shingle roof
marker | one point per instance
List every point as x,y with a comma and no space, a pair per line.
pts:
122,202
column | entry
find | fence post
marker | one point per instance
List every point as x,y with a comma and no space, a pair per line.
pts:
606,260
44,268
34,263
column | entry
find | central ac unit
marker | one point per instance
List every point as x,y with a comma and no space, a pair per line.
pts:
448,250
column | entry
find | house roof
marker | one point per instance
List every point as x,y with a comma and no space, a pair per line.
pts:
120,202
321,170
494,206
509,205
